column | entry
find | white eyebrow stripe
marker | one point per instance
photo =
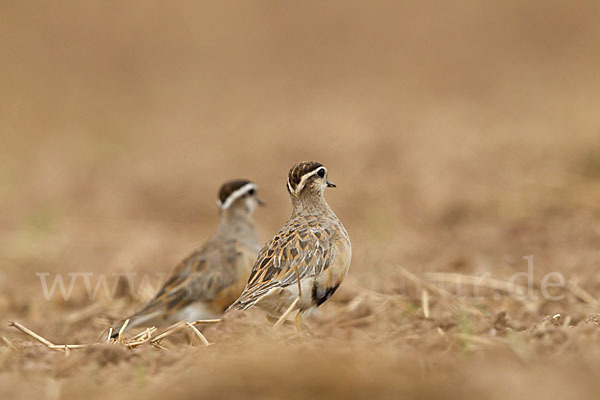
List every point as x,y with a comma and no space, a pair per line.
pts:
236,194
305,178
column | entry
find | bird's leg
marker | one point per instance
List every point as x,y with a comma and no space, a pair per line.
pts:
298,316
301,327
298,280
298,323
296,300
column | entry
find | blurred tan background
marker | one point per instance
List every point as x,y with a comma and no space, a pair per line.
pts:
462,135
119,122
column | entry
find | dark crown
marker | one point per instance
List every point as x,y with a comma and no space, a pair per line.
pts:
299,170
229,187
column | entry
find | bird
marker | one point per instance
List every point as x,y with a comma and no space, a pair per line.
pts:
303,265
207,281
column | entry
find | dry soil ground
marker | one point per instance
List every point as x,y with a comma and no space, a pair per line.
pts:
463,136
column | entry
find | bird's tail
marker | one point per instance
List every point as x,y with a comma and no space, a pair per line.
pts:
136,319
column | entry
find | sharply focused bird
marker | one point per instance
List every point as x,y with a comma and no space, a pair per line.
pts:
307,260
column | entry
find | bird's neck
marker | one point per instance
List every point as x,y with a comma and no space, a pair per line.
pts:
310,205
236,222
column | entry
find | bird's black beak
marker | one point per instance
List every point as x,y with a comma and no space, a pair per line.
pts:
331,184
260,202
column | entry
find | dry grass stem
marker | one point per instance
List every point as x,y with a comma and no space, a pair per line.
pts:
122,330
8,343
286,313
206,322
107,329
145,334
425,302
199,334
445,296
31,333
460,279
138,340
581,293
44,341
169,331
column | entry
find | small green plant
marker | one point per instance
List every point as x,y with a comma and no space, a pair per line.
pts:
465,323
141,375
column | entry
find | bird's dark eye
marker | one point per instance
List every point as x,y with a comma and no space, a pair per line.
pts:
251,192
321,172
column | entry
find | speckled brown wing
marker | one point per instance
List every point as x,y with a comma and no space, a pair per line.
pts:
301,248
198,278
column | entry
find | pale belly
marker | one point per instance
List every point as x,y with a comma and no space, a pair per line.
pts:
194,312
313,291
